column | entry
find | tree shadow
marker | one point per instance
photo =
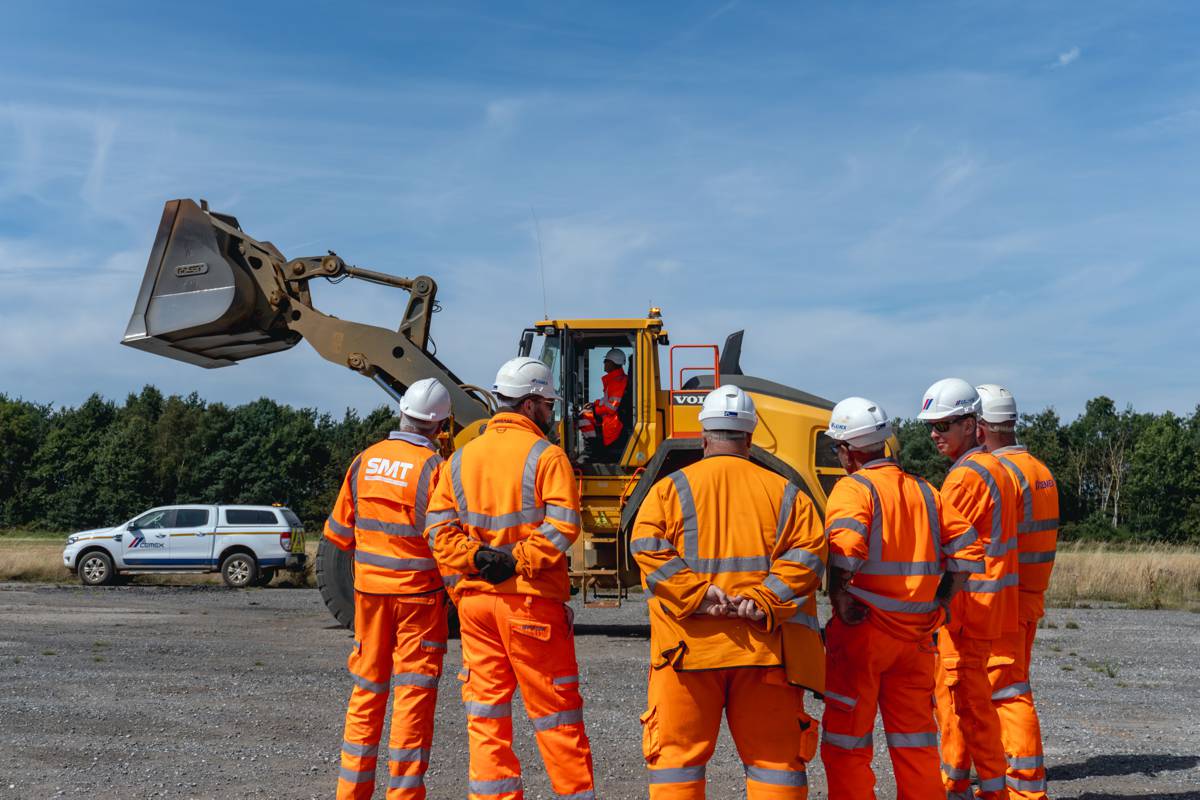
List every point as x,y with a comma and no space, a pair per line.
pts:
1148,764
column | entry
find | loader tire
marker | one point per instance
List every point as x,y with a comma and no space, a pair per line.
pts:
335,581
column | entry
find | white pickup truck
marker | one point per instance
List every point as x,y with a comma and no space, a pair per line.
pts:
246,544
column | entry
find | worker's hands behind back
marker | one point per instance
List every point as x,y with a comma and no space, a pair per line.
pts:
495,566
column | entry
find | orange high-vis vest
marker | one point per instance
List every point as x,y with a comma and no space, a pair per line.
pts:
893,533
980,488
513,490
726,522
380,515
1037,532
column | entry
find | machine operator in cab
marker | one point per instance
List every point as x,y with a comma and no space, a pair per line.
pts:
602,412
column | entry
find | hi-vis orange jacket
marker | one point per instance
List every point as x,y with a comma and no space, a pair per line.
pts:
896,536
512,490
726,522
980,488
380,515
606,407
1037,532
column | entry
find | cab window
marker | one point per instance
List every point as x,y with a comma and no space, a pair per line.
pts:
250,516
152,520
191,517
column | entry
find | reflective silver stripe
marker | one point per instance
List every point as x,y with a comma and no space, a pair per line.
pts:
438,517
351,776
802,617
875,540
1038,525
529,474
805,558
390,528
370,686
785,509
460,493
965,456
409,564
846,742
1044,557
414,679
677,774
405,781
360,750
776,777
997,546
588,795
563,514
1024,785
650,544
557,538
502,786
847,523
433,645
992,784
848,563
353,480
1026,762
901,568
990,587
891,603
488,710
715,566
500,522
571,716
931,512
450,580
964,565
687,507
969,794
960,541
956,774
664,572
1023,483
402,755
912,739
562,680
1012,690
849,702
422,501
339,528
781,589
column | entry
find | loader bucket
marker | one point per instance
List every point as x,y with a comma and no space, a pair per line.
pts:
198,302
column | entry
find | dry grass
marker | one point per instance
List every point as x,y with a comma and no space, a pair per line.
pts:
1145,576
40,559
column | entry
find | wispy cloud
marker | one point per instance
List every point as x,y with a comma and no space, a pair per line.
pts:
1068,58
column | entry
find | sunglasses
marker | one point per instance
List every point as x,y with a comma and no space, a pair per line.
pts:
941,426
836,446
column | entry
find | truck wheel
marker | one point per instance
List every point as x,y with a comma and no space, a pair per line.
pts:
96,569
335,581
265,576
239,570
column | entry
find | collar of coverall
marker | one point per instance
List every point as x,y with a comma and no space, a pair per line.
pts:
509,419
413,438
967,455
880,462
1012,448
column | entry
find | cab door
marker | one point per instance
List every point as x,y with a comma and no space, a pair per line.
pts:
192,537
146,542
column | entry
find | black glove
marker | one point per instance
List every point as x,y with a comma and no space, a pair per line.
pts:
495,566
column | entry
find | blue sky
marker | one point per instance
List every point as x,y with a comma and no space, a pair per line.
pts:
881,196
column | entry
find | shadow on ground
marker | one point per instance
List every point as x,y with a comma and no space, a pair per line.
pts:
1123,764
620,631
1156,796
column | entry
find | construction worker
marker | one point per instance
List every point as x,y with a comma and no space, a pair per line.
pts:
731,555
981,489
897,554
614,381
399,602
1037,536
504,515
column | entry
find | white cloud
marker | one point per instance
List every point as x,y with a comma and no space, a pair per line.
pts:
1068,58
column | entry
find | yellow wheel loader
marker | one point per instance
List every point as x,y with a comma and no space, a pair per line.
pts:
213,296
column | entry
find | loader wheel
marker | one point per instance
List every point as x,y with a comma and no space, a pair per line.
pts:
335,581
96,569
239,571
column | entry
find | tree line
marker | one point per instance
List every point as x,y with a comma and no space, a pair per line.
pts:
1121,474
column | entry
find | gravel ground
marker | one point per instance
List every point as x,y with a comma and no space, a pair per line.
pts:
202,692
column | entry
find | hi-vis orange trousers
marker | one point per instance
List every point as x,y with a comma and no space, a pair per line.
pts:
969,724
773,735
1021,732
511,640
398,639
866,668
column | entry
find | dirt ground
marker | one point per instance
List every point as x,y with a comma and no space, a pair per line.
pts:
203,692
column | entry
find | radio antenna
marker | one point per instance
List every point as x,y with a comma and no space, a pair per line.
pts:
537,230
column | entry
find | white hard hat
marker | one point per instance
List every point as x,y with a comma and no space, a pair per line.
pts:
949,398
997,403
616,356
519,377
859,422
426,400
728,408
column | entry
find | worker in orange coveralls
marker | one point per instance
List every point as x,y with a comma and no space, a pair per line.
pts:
504,516
981,489
731,555
897,554
399,601
1037,537
605,409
